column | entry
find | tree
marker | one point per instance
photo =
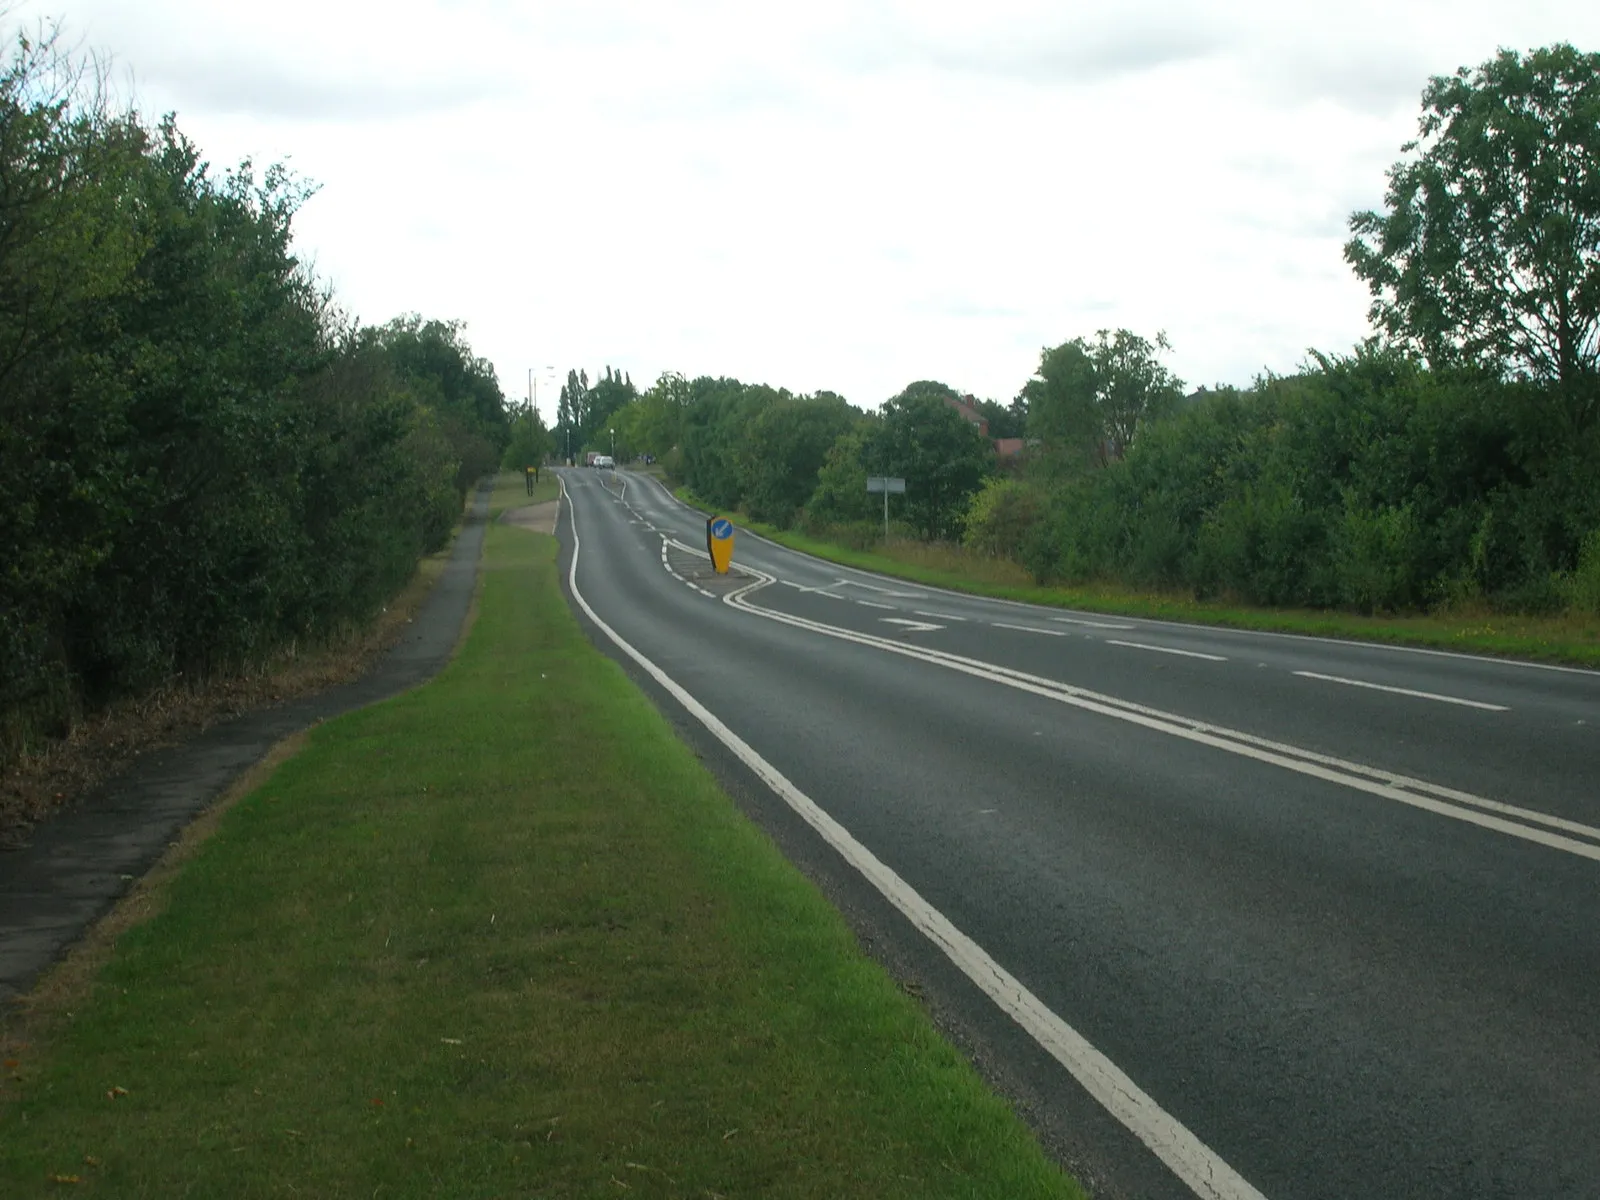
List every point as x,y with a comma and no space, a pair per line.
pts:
530,441
841,492
656,418
1489,253
784,447
571,413
611,393
939,453
1090,400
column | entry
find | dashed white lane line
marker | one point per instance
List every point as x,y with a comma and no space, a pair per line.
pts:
1166,650
873,604
1091,624
1028,629
912,626
1400,691
937,616
1418,793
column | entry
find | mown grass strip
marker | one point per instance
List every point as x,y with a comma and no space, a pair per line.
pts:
1568,638
500,936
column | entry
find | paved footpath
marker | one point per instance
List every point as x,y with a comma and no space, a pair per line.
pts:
81,861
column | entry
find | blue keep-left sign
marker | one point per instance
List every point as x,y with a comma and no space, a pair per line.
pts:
719,543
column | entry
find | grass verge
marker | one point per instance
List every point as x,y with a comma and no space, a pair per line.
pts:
1564,638
502,935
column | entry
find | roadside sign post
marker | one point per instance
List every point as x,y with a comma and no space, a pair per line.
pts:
719,543
889,485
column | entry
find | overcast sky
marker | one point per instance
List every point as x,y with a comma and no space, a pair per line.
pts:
823,194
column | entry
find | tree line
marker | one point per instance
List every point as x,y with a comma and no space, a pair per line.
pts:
202,460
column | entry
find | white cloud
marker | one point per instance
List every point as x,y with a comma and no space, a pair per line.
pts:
832,194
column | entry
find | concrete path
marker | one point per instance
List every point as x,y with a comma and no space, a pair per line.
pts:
79,863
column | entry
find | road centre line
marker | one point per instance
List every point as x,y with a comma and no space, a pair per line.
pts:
1091,624
1166,650
937,616
1195,1163
1418,793
874,604
1400,691
1028,629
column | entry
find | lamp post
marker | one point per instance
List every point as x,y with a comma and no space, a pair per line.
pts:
613,445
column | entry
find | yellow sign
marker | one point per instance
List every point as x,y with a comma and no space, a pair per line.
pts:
719,542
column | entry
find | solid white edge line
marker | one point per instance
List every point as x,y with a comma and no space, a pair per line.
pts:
1195,1163
1400,691
1190,626
1166,650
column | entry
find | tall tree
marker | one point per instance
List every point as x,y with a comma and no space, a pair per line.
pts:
1090,400
939,453
572,412
612,392
784,447
1489,252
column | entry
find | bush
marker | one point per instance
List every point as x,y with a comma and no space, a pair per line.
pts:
1001,516
1581,586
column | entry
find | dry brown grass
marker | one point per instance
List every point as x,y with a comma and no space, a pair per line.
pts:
957,560
102,745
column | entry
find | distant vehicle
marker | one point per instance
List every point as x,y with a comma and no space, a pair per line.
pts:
590,457
605,460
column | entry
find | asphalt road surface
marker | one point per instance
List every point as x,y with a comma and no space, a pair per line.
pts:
1227,914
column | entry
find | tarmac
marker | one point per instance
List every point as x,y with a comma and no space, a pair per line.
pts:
77,865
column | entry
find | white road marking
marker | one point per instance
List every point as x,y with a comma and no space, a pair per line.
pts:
1091,624
885,591
939,616
1376,781
1195,1163
874,604
1028,629
1400,691
1166,650
911,626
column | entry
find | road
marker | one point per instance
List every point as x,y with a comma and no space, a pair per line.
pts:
1227,913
